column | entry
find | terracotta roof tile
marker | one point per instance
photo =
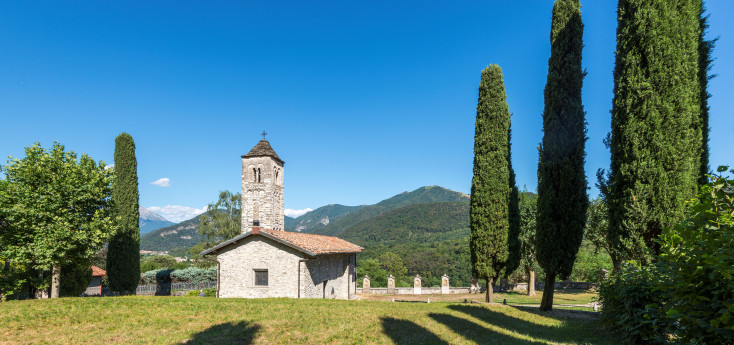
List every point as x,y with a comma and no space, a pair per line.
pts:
318,244
263,149
98,272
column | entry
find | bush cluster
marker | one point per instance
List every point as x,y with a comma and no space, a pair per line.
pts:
633,306
686,295
187,275
194,275
207,293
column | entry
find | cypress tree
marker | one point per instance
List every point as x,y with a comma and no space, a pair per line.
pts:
562,199
705,48
123,258
513,236
656,139
490,191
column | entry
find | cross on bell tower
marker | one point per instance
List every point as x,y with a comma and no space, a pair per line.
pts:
264,133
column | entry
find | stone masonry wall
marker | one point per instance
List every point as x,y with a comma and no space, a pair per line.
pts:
329,276
266,194
237,265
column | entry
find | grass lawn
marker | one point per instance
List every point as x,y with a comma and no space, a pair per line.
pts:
194,320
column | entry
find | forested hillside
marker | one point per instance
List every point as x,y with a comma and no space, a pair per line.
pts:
175,236
421,195
318,218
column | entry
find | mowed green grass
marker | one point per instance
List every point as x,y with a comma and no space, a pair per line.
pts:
193,320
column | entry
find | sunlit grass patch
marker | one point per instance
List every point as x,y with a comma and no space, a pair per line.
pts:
176,320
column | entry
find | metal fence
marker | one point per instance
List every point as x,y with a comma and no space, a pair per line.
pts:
151,288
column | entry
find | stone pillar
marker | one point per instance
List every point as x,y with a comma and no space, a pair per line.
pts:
445,284
366,284
417,285
474,287
390,285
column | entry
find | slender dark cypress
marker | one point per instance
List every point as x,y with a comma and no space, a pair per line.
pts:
656,139
705,49
490,191
513,236
123,258
562,199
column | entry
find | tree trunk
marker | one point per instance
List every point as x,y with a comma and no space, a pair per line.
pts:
490,291
531,282
55,281
546,304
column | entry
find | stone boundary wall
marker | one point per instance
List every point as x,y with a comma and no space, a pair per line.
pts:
519,287
410,290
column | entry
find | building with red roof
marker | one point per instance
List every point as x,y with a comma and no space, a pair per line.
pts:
95,287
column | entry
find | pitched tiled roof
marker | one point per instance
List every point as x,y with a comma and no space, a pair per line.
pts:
98,272
310,244
263,149
318,244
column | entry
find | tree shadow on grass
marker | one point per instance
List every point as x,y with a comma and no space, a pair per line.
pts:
476,332
408,332
240,333
568,331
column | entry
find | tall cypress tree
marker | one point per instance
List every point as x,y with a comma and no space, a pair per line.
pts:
513,236
656,139
705,48
123,258
562,199
490,191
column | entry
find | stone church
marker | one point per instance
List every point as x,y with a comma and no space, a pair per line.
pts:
267,261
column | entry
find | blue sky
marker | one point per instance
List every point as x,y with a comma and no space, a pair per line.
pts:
362,99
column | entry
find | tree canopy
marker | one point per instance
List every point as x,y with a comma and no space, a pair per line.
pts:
54,209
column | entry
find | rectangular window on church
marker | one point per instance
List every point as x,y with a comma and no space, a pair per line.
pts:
261,277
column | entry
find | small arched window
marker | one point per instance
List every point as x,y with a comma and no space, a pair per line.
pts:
258,175
254,175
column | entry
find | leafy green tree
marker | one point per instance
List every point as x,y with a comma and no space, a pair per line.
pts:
371,268
56,210
393,264
157,262
656,138
75,277
528,204
222,219
489,214
123,258
597,230
562,199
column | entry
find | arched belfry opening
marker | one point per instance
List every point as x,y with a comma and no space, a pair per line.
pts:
262,193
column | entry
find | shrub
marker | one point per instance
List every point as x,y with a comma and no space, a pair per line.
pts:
633,306
194,275
156,277
699,256
207,293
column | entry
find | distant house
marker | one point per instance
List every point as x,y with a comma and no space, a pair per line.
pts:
265,260
95,287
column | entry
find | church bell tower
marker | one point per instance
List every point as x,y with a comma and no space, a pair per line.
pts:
262,188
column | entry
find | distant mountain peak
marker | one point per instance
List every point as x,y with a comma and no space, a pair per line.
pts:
147,214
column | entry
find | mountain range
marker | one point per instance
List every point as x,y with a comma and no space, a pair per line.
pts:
425,214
